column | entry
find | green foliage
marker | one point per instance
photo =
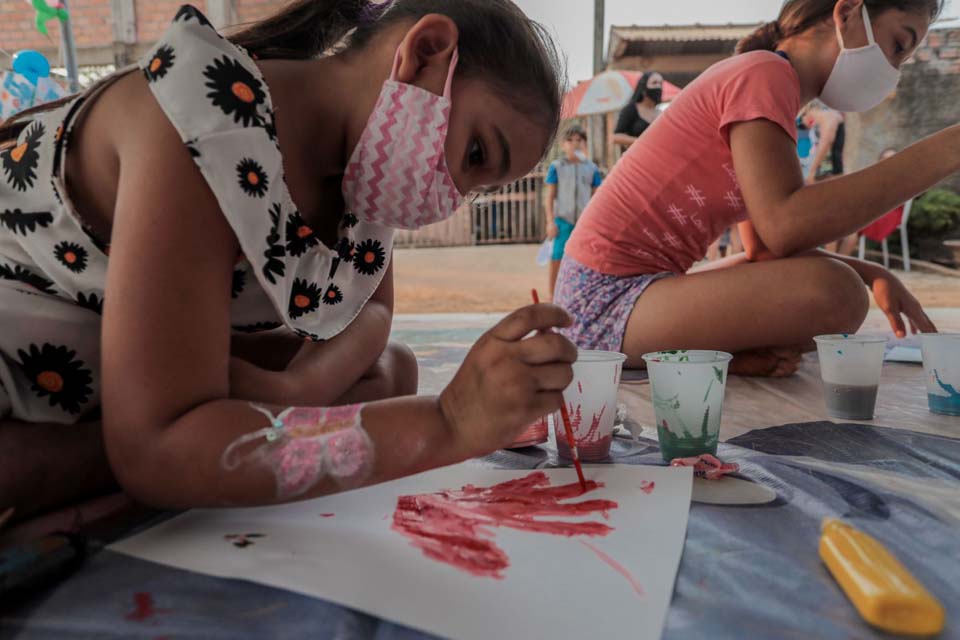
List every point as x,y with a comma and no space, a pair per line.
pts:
935,214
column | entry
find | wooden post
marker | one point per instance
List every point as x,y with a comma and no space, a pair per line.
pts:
598,63
123,13
221,13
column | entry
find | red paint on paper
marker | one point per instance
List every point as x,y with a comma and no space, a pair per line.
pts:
647,486
455,527
326,515
616,566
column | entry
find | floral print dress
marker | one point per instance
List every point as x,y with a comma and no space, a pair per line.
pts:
53,269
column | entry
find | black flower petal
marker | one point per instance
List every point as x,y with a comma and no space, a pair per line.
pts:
369,257
23,221
304,298
160,63
72,256
234,89
20,162
55,371
253,180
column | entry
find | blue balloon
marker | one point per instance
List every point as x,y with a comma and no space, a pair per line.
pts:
31,65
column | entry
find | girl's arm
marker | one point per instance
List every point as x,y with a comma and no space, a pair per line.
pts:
791,218
891,296
174,436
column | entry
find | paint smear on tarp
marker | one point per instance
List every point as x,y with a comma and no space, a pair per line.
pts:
144,609
455,527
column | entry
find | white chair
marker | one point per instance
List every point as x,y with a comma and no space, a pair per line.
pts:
904,245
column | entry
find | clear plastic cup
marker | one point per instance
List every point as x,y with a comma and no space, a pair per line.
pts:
941,368
536,433
592,404
850,369
688,388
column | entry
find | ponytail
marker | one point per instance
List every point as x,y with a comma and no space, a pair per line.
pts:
765,38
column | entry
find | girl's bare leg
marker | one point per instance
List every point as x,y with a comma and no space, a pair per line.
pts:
765,312
554,270
45,466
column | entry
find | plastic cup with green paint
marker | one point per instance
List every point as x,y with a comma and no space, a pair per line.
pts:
850,369
688,388
941,369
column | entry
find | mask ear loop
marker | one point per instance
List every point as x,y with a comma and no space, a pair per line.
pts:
454,59
868,26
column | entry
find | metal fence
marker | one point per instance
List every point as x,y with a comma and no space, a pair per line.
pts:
512,214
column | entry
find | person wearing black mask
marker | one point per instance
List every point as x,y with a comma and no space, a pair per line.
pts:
641,111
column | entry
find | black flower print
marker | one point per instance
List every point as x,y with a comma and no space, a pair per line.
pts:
332,295
349,220
304,298
239,282
252,179
369,257
56,191
274,266
72,256
19,274
103,247
91,302
160,63
25,221
19,162
192,149
258,327
55,371
345,251
306,335
235,91
188,12
270,126
300,237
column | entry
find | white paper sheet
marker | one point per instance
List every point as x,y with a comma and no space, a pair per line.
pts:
904,354
555,586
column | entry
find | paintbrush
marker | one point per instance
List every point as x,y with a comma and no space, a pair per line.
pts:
565,416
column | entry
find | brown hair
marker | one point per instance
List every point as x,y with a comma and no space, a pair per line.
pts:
498,43
797,16
574,130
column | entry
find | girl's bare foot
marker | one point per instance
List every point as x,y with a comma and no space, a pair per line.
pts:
774,362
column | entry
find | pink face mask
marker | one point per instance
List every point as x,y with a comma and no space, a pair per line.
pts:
398,175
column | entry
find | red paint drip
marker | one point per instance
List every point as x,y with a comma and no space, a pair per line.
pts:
326,515
454,527
647,486
144,607
616,566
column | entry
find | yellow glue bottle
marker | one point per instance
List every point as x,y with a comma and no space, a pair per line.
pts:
881,589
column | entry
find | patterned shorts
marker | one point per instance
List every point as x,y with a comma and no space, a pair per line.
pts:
600,304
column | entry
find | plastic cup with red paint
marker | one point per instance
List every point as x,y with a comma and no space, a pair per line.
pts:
592,403
536,433
688,388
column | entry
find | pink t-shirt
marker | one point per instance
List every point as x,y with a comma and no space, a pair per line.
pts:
675,189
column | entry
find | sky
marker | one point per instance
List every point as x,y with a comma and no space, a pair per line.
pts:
571,21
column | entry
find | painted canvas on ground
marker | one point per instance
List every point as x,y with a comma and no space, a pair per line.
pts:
464,551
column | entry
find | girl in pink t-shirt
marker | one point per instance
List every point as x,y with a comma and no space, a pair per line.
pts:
725,153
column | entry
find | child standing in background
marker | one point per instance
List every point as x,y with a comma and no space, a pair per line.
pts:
571,180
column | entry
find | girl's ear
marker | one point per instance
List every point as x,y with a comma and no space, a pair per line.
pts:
426,51
848,17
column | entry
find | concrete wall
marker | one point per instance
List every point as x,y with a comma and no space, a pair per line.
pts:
927,100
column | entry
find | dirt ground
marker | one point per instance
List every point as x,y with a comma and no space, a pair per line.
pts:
499,278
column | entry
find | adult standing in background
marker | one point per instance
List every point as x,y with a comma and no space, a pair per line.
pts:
641,111
830,132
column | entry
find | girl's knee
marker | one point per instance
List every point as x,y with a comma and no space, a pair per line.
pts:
401,369
840,295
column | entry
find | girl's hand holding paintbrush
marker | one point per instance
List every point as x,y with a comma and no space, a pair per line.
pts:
508,380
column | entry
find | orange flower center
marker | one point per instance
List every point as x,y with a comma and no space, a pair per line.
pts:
17,153
304,231
242,92
253,178
70,257
331,294
301,301
369,257
51,381
155,64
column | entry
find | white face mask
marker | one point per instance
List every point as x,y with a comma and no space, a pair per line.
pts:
861,78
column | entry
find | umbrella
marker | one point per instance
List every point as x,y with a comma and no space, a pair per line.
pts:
607,92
